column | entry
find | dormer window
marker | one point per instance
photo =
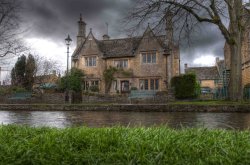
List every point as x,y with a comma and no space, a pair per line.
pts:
90,61
121,63
148,57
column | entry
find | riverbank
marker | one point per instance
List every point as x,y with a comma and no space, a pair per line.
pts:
122,145
170,107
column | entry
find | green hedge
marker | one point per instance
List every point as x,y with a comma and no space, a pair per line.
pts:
185,86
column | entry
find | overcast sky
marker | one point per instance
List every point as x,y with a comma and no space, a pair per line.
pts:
48,22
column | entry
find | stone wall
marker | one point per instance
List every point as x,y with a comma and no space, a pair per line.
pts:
47,98
58,98
129,107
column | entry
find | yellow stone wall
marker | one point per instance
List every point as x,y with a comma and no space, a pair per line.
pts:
208,83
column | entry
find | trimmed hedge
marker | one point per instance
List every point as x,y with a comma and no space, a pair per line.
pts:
185,86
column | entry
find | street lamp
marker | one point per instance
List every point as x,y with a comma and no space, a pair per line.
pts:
67,41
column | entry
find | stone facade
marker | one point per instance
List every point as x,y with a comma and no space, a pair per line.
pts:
145,63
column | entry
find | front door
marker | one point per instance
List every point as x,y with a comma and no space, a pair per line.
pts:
124,86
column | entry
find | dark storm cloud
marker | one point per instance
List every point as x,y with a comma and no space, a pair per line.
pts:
54,19
206,40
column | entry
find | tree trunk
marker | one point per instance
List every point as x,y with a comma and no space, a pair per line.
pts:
235,42
235,83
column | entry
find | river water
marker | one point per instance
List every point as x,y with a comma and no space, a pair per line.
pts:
62,119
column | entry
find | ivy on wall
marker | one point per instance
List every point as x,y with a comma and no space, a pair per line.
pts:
108,75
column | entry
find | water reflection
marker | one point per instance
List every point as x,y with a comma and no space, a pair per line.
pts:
63,119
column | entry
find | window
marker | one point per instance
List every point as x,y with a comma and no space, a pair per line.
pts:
144,84
115,85
88,85
94,83
149,57
85,85
121,63
124,86
90,61
151,84
154,84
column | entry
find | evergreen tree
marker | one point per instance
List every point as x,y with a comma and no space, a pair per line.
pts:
19,71
13,76
30,70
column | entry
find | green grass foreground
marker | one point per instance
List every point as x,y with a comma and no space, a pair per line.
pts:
121,145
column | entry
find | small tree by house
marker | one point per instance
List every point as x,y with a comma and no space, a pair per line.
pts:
73,81
30,72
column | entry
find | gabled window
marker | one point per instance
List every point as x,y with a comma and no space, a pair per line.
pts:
90,61
149,57
121,63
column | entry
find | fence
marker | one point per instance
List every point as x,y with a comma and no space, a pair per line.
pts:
246,94
221,93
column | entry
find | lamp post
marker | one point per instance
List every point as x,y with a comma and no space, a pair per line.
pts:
68,42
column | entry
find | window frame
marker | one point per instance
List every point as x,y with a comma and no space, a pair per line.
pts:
151,84
149,57
121,63
90,61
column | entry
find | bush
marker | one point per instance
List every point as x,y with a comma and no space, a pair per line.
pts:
133,89
94,88
185,86
17,89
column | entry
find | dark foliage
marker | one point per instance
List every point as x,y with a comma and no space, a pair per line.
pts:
73,81
185,86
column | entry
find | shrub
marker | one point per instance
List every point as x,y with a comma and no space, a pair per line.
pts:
17,89
94,88
133,88
185,86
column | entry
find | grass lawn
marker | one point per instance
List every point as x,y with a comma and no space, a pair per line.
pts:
120,145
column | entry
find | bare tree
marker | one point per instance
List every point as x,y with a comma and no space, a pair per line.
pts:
46,69
190,12
10,43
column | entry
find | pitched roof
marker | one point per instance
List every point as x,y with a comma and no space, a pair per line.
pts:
119,47
124,47
204,73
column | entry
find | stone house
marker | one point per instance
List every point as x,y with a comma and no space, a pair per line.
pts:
147,62
208,77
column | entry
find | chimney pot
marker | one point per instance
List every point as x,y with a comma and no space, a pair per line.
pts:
186,66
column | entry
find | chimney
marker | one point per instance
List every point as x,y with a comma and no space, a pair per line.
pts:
81,31
105,37
169,27
217,59
186,66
